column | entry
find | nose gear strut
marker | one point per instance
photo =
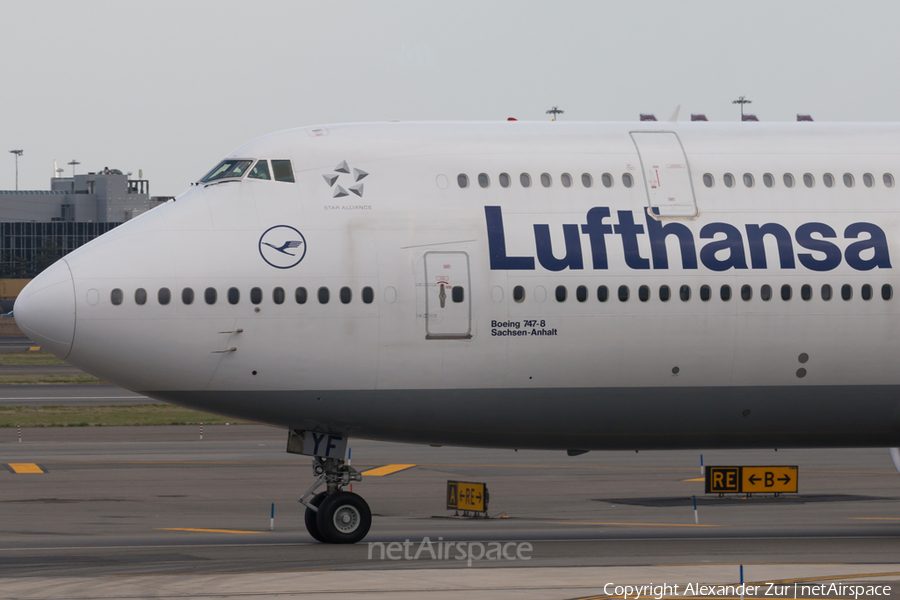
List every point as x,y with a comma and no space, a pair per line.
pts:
335,516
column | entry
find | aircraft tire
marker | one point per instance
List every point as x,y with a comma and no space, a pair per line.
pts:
310,517
343,518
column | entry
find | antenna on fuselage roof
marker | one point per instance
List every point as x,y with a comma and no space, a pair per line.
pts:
742,101
555,111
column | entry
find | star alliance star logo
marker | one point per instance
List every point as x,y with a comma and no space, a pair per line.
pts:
343,168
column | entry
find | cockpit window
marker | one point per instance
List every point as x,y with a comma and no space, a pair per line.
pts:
228,169
283,171
260,170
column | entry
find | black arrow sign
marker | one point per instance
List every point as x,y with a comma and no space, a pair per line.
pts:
786,479
753,479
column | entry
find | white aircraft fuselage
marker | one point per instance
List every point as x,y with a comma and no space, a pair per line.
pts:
500,315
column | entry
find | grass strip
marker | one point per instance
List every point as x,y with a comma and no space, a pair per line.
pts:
48,379
29,359
106,416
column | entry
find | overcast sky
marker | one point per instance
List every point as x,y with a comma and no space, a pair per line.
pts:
171,87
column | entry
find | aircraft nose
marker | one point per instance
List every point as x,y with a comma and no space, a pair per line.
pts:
45,310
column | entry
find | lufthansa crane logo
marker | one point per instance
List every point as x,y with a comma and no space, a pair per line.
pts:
339,192
282,246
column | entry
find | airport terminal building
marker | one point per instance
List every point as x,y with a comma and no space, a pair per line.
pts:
38,227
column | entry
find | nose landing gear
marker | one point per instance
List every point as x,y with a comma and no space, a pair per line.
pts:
335,516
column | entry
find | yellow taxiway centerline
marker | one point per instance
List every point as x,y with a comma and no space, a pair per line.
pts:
386,470
20,468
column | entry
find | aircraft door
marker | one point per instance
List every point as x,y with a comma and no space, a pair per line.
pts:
667,175
448,298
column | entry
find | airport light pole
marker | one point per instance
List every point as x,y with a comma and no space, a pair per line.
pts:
555,111
18,153
742,101
73,162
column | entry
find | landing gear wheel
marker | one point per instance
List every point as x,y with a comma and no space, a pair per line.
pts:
310,516
343,518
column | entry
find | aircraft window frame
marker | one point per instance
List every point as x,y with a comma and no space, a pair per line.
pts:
887,292
256,295
888,180
140,296
607,180
708,180
627,180
809,180
602,293
278,174
262,174
749,180
187,296
828,180
210,295
725,293
768,180
484,180
519,294
164,296
624,293
368,295
462,180
323,295
587,180
827,292
301,295
458,294
765,292
581,293
504,180
868,180
728,180
684,292
226,169
705,293
346,295
116,297
644,293
665,293
806,292
278,295
787,292
746,293
566,180
546,180
788,179
561,293
866,292
849,180
846,292
525,180
234,295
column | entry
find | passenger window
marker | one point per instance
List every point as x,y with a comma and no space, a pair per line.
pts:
806,292
746,293
664,293
346,295
187,296
788,180
725,293
283,171
888,180
164,296
255,295
728,180
546,180
826,292
685,293
566,180
586,180
277,295
627,180
300,295
140,296
458,294
483,180
868,180
866,292
708,180
887,292
561,293
848,180
808,180
581,293
846,291
525,180
607,180
765,293
644,293
210,295
234,295
324,295
116,296
368,295
602,293
504,180
519,293
705,293
828,180
462,180
623,293
227,169
786,292
748,180
260,170
768,180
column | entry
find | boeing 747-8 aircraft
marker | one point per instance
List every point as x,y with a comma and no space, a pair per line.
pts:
572,286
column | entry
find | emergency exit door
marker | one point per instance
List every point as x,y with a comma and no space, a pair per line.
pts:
667,175
448,301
